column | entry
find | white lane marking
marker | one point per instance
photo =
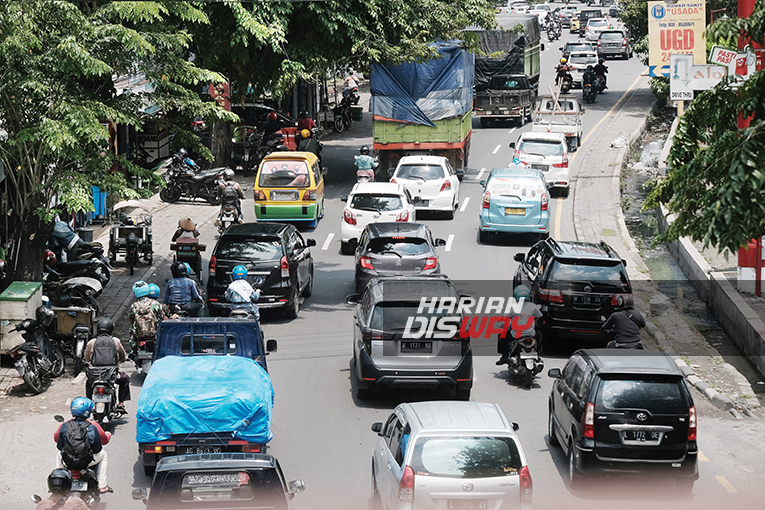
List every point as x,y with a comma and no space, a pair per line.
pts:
329,240
464,204
449,241
511,131
478,177
496,149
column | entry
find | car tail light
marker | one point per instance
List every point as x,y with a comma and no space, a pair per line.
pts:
589,421
562,164
406,486
258,194
212,267
598,43
349,217
430,263
446,185
393,180
486,200
551,295
366,338
366,263
309,195
285,267
526,484
544,201
692,423
403,216
615,299
624,42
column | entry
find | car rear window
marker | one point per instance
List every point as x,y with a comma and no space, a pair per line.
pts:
656,394
587,271
466,457
427,172
583,59
542,147
578,47
399,245
515,186
205,345
255,250
369,202
393,315
260,488
284,174
611,35
598,23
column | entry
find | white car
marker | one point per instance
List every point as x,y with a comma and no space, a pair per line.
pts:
431,181
594,27
579,60
518,7
547,152
372,202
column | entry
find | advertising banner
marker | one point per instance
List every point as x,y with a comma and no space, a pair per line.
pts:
675,29
686,77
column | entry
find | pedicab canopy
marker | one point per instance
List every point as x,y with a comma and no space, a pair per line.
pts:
203,395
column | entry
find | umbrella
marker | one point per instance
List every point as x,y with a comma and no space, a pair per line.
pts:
131,203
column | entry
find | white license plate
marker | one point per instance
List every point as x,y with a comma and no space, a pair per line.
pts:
528,355
194,449
79,485
417,347
283,195
101,398
467,504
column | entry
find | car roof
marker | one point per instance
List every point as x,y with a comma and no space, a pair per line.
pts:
378,187
411,288
457,416
435,160
292,156
516,171
631,361
581,250
542,135
258,228
211,461
391,228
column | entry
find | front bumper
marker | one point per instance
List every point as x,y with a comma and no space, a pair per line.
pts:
460,377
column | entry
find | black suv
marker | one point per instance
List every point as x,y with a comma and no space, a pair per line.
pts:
278,262
219,480
577,285
623,412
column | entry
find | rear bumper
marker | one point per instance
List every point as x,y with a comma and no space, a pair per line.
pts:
277,297
589,462
573,328
270,211
460,377
488,226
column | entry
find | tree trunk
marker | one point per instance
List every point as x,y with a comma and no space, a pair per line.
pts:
219,143
31,250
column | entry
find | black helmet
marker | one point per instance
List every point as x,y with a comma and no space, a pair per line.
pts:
365,150
104,325
44,315
589,68
59,481
179,269
303,114
601,60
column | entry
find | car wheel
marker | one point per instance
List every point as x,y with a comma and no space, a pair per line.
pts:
565,192
462,394
574,476
483,236
552,438
309,287
293,305
376,503
345,248
363,392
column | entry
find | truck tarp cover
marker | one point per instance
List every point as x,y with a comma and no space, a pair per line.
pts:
187,395
511,44
422,93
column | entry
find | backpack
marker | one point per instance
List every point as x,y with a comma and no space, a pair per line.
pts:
77,452
104,352
229,195
145,325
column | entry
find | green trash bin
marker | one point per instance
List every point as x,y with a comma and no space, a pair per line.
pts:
357,113
18,302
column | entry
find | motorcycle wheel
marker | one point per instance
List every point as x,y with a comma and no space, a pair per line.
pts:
131,263
77,367
32,378
213,197
528,377
59,364
170,194
339,125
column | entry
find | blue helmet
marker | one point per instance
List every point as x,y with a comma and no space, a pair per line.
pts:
521,291
239,273
154,291
188,268
141,289
81,407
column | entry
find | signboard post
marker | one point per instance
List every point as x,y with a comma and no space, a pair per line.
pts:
675,29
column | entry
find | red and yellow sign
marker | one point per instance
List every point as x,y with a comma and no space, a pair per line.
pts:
675,29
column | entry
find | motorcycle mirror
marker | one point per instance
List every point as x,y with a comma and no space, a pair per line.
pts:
59,418
515,426
271,345
35,498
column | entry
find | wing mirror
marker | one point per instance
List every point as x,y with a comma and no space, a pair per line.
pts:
391,171
310,242
553,373
344,198
324,171
352,299
296,486
440,242
377,427
271,345
519,257
511,145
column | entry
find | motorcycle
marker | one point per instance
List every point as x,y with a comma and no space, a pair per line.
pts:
269,144
37,358
588,93
183,181
342,113
55,272
564,80
227,217
364,175
553,30
600,83
353,95
64,239
102,380
144,355
524,362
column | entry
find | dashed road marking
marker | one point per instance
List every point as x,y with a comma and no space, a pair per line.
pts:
478,177
465,202
702,457
327,242
449,241
496,149
511,131
725,483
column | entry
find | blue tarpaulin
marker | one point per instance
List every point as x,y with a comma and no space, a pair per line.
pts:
422,93
205,394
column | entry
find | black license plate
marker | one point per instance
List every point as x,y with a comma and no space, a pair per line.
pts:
190,450
416,346
586,300
467,504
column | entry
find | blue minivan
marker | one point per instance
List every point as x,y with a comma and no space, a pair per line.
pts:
515,200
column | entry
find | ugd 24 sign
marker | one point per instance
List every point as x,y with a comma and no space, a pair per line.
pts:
675,29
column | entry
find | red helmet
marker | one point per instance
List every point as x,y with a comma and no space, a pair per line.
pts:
272,116
50,258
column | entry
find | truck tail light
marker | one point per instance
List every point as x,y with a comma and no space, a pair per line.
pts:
406,486
258,194
349,217
544,201
212,267
446,185
550,295
692,423
486,200
430,263
366,263
309,195
526,484
589,421
284,265
403,216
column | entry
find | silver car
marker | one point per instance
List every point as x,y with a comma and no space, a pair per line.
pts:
459,455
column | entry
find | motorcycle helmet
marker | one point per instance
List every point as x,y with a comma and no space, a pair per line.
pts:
188,268
104,325
563,61
601,60
140,289
60,481
50,258
179,269
521,291
228,174
154,291
44,315
589,68
187,224
305,133
81,407
239,273
304,114
272,116
364,150
624,302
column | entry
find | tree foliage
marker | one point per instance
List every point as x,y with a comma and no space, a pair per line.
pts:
717,179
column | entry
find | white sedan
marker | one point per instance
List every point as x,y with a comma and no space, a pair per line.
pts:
432,182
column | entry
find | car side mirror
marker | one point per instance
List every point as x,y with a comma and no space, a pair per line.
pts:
352,299
519,257
561,48
310,242
553,373
511,145
482,183
140,494
324,171
59,418
377,427
440,242
35,498
542,47
271,345
515,426
344,198
624,262
296,486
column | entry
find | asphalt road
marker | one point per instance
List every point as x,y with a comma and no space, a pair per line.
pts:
322,434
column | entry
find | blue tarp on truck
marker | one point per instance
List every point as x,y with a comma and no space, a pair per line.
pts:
421,93
203,395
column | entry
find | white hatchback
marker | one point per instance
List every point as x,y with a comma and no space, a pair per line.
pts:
372,202
431,181
547,152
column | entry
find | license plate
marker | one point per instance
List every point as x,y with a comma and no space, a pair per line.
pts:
513,210
422,203
191,450
101,398
283,195
585,300
528,355
543,168
416,346
79,485
467,504
188,248
646,437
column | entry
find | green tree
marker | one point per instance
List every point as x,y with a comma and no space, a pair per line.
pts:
716,183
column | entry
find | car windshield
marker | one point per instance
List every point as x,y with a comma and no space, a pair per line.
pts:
583,59
515,186
393,315
424,172
543,147
249,249
259,488
657,394
612,35
466,457
400,245
284,174
587,271
370,202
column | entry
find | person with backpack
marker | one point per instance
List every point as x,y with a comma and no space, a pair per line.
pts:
241,294
60,485
144,316
623,326
231,193
80,442
106,350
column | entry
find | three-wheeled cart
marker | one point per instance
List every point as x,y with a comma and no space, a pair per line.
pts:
131,235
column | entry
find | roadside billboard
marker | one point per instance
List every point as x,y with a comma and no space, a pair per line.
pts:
675,28
686,77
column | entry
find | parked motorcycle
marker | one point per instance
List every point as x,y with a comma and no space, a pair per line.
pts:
183,181
588,93
37,358
342,113
524,361
57,272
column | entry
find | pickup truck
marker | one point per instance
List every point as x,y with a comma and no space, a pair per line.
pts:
208,390
507,97
561,116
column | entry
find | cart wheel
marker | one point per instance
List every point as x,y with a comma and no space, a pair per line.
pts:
149,258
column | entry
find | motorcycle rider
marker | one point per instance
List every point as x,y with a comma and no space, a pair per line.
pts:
231,193
563,70
588,78
240,294
105,350
186,229
309,143
350,83
60,484
623,326
365,164
145,313
601,70
81,409
272,126
182,291
305,122
530,311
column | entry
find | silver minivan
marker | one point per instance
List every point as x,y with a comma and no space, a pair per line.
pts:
458,455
